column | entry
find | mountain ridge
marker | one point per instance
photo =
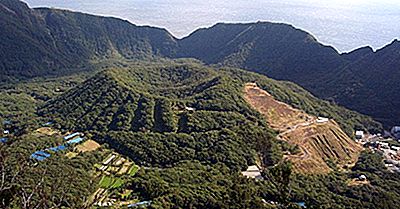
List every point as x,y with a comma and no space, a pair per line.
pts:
64,39
184,130
49,42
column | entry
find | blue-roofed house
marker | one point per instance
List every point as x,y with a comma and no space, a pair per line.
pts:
42,153
48,123
301,204
57,149
72,136
75,141
7,122
140,204
38,157
3,140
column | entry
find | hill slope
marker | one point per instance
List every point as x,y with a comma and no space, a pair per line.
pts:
277,50
319,142
362,80
44,41
161,114
40,41
369,85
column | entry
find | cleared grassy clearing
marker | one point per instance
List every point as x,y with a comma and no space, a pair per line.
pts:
88,146
46,131
71,155
108,182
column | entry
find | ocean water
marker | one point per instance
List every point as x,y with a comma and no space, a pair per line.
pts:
344,24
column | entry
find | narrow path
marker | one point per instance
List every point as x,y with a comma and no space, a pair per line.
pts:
305,154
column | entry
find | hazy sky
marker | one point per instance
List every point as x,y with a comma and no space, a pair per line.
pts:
345,24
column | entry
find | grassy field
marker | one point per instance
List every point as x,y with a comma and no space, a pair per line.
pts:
134,169
108,182
113,177
118,182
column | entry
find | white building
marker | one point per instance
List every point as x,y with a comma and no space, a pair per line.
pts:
322,120
108,160
362,178
384,145
191,109
252,172
359,134
395,148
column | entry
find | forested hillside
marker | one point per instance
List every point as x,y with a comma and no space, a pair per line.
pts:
43,41
152,92
191,129
277,50
164,114
369,85
187,107
362,80
47,41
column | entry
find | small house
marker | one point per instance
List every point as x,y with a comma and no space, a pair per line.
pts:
359,134
6,132
301,204
384,145
3,140
389,165
190,109
322,120
252,172
75,141
362,178
7,122
48,123
71,136
140,204
395,148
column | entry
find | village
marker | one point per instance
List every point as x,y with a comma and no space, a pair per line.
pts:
112,172
388,144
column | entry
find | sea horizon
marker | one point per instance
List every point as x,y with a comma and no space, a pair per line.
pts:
344,25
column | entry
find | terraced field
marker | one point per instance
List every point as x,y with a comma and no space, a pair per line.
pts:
319,142
114,171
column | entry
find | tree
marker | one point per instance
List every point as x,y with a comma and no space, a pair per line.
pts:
280,176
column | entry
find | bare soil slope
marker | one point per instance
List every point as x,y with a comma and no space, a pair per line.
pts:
319,142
